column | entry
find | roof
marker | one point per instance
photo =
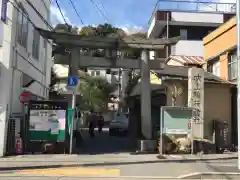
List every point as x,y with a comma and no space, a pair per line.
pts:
182,72
179,73
66,38
186,60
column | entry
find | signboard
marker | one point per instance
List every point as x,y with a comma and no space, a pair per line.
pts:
25,96
72,81
196,99
175,120
47,123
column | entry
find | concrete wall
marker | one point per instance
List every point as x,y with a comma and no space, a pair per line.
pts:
217,105
197,17
188,48
17,61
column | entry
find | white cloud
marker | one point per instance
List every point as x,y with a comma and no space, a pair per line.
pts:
129,29
56,16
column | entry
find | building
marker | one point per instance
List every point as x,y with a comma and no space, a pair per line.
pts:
220,58
25,58
191,21
217,102
220,51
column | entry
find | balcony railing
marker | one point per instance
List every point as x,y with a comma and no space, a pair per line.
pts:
194,6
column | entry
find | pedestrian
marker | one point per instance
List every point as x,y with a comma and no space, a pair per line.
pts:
100,122
92,124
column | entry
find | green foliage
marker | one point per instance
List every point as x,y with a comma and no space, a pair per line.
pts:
132,82
96,92
102,30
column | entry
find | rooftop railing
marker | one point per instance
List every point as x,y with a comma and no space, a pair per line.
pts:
194,6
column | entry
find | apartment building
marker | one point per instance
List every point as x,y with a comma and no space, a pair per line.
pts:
190,20
25,58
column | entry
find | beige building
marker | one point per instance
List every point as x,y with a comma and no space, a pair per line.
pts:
217,96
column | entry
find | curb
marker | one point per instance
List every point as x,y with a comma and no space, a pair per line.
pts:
193,175
164,158
94,164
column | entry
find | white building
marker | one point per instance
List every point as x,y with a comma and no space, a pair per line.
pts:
191,20
25,58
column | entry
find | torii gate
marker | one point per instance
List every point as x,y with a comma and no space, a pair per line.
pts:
112,45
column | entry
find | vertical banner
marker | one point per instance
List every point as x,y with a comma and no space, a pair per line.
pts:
4,11
196,100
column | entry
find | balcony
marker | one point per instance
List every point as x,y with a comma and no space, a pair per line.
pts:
175,12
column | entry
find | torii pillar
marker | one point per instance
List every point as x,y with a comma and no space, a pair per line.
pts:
147,143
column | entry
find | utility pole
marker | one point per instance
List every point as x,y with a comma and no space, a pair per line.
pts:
238,75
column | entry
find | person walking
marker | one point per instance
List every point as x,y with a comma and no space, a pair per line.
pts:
92,124
100,122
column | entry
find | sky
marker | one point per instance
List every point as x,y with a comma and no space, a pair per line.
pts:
130,15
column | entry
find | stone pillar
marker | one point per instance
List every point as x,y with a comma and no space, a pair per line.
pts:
146,120
196,100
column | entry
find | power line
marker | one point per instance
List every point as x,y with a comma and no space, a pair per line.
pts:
96,6
77,12
60,10
39,14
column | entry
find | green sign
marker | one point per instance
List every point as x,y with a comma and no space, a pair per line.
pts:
47,125
175,120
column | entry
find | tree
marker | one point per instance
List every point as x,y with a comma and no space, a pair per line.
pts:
66,28
96,92
132,82
102,30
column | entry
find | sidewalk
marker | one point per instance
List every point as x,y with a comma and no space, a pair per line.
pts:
56,161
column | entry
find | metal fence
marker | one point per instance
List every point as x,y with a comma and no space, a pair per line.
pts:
196,5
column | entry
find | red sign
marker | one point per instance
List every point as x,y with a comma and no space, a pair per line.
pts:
18,145
25,96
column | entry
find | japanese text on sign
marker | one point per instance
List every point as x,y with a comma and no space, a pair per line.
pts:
196,98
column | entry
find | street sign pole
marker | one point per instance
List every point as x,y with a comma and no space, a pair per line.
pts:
72,120
72,84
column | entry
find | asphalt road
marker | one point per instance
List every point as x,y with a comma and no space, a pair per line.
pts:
103,143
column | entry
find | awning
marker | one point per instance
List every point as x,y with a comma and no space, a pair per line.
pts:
185,60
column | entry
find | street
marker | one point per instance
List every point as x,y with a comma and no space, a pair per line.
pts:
103,143
109,157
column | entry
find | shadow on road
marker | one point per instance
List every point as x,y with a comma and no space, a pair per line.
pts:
103,143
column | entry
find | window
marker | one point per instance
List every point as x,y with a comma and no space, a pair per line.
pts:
232,66
216,68
92,73
35,45
209,68
22,28
97,73
183,34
